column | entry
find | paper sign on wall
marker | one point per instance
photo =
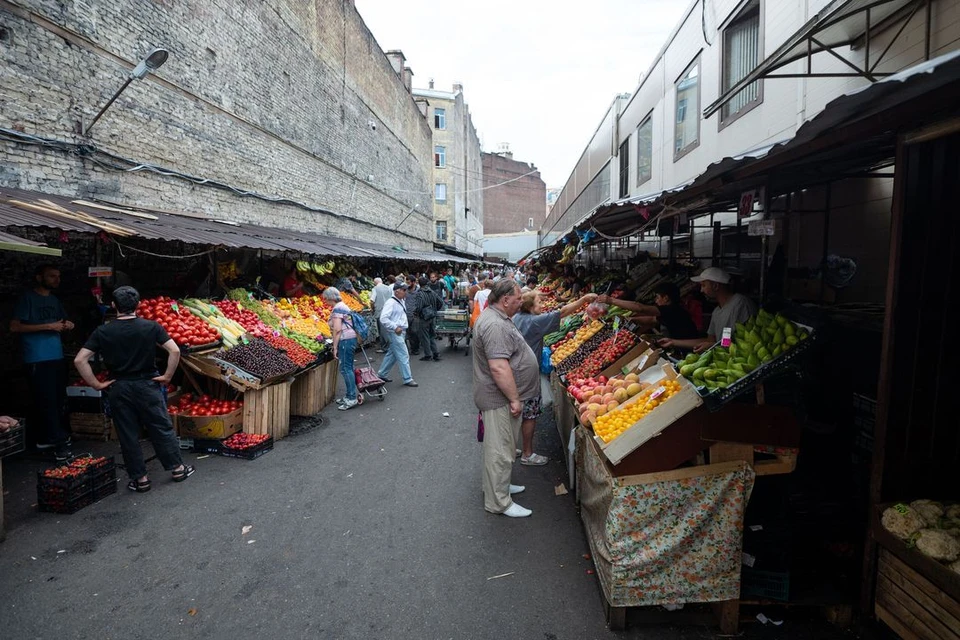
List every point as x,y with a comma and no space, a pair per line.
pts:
99,272
762,228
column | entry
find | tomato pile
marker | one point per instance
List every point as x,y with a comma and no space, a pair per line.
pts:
185,328
245,440
75,468
203,406
244,317
300,356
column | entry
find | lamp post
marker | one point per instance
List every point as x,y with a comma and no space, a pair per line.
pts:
152,62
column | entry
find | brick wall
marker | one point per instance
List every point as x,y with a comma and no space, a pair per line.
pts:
508,208
287,98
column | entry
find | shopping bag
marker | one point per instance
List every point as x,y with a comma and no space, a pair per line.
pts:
546,394
545,365
480,426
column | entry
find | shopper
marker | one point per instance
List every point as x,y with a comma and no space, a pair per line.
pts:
731,308
394,319
128,346
412,302
666,310
480,300
381,293
450,282
534,324
505,373
41,320
429,305
344,345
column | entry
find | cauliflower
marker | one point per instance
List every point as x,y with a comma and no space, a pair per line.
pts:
902,521
953,512
938,545
929,510
955,566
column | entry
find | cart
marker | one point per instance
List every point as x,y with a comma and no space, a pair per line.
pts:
368,382
454,324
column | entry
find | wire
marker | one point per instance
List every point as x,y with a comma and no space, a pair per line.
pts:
492,186
159,255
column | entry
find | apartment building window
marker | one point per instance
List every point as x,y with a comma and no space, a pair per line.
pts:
440,192
645,150
439,118
529,223
686,132
441,231
624,154
439,157
741,55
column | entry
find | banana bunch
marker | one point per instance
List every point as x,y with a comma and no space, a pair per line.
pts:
569,253
320,269
231,330
228,271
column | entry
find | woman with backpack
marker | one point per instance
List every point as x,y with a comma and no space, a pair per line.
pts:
344,345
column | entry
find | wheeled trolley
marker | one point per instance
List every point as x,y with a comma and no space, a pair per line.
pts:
368,382
453,324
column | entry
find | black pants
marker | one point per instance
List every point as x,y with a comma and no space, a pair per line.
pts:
413,334
136,403
48,386
428,338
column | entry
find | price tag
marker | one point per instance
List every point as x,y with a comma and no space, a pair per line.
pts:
748,560
727,337
616,324
756,527
658,392
901,508
244,339
239,306
175,307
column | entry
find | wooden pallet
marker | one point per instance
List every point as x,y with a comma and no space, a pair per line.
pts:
91,426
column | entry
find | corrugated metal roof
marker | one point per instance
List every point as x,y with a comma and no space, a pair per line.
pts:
156,225
10,242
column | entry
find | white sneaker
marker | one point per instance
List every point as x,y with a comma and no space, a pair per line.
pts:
516,511
516,488
348,404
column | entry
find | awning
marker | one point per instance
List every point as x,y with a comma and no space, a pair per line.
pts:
840,23
20,208
10,242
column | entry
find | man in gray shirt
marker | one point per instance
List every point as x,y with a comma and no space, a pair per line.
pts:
731,309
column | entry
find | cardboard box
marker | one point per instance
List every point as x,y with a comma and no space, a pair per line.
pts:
210,427
672,409
634,360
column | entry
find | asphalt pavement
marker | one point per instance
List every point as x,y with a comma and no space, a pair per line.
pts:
367,524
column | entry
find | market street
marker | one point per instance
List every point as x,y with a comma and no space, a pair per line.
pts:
369,526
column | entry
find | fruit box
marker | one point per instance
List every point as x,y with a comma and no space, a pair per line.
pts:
673,408
633,360
210,427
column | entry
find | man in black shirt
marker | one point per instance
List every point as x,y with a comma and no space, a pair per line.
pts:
673,318
128,347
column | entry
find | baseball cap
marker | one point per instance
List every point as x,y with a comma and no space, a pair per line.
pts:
400,285
713,274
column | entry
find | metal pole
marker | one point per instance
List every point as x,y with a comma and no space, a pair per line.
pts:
107,106
764,243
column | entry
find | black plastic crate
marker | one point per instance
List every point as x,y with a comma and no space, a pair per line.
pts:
207,446
770,585
72,484
13,441
247,454
64,504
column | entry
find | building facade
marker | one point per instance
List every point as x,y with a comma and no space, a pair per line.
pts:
283,114
700,102
458,197
514,194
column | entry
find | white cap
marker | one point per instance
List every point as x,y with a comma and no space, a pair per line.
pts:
713,274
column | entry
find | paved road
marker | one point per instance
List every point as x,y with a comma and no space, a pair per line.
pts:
369,526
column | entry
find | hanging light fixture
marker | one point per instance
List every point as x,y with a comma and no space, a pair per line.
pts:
152,62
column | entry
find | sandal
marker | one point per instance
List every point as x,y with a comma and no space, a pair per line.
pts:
138,486
183,474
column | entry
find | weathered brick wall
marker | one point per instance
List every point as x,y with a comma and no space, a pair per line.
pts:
275,97
507,208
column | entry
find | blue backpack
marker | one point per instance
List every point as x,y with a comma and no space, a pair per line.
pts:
359,325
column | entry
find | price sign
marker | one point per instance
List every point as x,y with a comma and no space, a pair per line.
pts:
99,272
745,210
901,508
659,392
762,228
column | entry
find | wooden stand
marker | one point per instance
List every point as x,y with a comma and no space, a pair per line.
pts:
308,395
267,410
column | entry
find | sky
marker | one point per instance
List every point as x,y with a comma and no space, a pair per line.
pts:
537,74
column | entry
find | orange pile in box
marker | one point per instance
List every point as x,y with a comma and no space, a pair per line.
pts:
306,315
352,301
610,425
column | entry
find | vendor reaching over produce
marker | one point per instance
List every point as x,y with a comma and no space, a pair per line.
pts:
292,287
534,324
128,347
666,310
731,308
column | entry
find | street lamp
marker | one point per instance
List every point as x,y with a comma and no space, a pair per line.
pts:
152,62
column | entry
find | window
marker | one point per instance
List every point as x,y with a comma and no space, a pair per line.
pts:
440,157
686,132
440,192
441,231
645,150
529,223
741,55
439,118
624,154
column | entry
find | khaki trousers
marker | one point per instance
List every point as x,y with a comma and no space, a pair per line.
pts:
500,438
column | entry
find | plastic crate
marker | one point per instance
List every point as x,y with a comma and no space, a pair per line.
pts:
770,585
71,504
108,466
206,446
13,441
247,454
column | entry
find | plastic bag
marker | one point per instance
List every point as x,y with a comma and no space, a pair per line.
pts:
545,366
596,310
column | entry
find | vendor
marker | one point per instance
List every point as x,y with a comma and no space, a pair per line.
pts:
292,287
41,320
673,319
731,308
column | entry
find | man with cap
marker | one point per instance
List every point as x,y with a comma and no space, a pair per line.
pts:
394,321
731,308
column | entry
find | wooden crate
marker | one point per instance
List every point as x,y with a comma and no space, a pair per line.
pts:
911,604
90,426
267,410
330,376
308,392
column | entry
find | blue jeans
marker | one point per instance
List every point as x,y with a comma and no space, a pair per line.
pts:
345,351
397,354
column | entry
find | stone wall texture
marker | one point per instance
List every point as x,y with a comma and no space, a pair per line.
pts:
288,98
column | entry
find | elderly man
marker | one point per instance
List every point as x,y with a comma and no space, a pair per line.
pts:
505,374
394,320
